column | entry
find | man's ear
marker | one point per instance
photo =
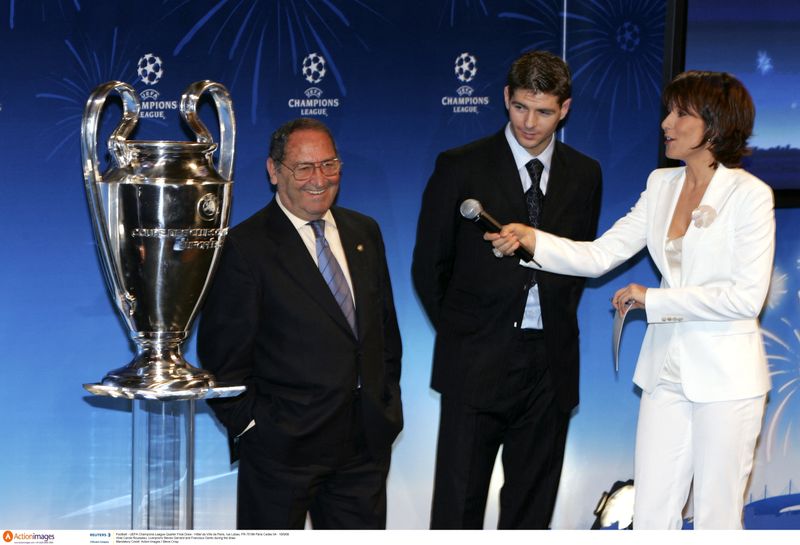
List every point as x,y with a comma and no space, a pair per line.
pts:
272,171
565,108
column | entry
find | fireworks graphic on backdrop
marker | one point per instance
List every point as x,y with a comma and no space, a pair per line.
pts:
617,53
614,49
450,10
614,39
91,69
24,7
249,30
783,355
543,25
763,63
778,288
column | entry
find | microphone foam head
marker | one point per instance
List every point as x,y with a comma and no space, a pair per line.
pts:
471,209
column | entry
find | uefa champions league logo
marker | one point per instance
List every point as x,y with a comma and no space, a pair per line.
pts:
466,67
150,69
314,68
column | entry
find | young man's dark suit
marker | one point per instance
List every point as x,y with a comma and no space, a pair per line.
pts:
271,323
476,301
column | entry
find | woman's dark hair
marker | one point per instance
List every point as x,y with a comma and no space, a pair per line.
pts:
725,106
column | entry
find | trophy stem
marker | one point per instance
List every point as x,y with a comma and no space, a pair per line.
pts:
163,465
160,364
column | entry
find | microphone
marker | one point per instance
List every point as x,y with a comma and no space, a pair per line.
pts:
472,210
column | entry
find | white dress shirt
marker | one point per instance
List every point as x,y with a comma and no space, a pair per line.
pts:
532,318
306,233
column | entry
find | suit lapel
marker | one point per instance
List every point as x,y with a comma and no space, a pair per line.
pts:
293,257
560,187
719,189
508,181
664,208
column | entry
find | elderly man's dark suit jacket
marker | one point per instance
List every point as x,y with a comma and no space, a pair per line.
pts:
271,323
474,300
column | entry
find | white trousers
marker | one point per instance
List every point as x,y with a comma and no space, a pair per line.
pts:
678,441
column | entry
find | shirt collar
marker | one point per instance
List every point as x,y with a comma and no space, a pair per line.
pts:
300,222
522,156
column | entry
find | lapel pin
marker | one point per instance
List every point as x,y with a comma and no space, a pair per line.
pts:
360,247
704,215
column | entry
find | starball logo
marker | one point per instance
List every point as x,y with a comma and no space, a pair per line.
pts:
151,69
314,69
464,101
466,67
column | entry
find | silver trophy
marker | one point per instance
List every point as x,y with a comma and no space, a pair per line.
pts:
160,216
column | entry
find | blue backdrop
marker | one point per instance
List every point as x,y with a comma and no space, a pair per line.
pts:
383,76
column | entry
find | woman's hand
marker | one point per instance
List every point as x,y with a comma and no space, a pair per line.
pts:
511,237
631,296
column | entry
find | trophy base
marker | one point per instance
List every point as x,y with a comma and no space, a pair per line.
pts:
161,374
155,393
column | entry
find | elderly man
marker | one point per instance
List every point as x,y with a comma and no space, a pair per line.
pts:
301,311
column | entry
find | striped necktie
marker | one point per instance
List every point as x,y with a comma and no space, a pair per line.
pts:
333,274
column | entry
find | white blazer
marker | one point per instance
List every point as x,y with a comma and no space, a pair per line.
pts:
707,321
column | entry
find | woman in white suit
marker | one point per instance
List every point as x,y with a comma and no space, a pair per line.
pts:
710,229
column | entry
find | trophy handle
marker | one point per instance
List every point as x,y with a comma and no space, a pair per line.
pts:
92,176
227,122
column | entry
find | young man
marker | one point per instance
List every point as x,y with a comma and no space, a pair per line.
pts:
301,312
506,353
